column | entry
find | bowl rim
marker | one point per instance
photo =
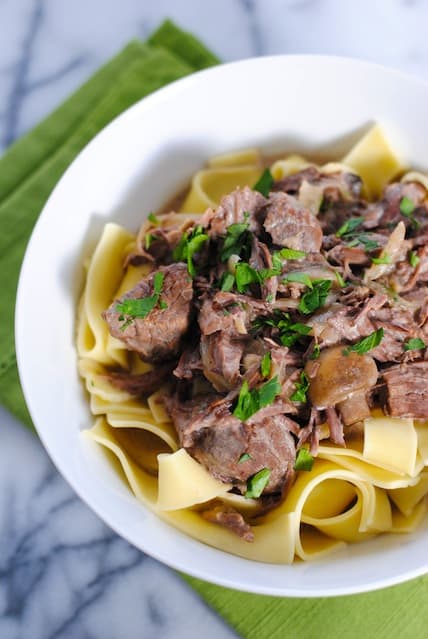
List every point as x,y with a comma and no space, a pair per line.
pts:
146,103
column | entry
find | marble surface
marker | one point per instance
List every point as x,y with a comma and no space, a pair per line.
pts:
63,573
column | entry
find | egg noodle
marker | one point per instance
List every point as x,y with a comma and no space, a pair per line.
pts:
351,493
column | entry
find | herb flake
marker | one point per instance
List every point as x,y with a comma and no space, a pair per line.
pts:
382,259
139,308
414,259
366,344
414,344
349,226
257,483
304,460
301,389
314,298
244,457
190,243
237,241
266,364
251,401
153,219
264,183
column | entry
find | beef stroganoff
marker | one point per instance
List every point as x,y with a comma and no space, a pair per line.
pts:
256,360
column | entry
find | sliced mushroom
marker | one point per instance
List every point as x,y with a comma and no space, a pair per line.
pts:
342,380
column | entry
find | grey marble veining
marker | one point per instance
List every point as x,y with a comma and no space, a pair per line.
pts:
63,573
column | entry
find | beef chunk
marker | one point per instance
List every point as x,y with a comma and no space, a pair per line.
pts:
158,336
237,207
291,225
230,312
221,358
217,439
407,390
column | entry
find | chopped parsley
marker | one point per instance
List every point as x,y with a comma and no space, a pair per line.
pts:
190,243
257,483
291,254
153,219
264,183
382,259
414,259
414,344
236,242
316,352
341,282
244,457
265,365
315,297
407,207
301,278
251,401
349,226
227,281
244,276
304,460
363,239
139,308
366,344
289,331
301,388
148,239
350,233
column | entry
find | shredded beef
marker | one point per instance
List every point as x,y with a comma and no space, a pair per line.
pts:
407,390
141,384
237,207
291,225
231,519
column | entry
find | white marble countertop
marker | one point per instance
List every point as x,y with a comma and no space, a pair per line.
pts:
63,574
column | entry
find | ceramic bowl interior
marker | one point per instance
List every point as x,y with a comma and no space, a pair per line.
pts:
307,104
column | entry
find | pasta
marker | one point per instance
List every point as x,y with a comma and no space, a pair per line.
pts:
376,484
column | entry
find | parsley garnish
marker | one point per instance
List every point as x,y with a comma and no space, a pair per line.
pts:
407,207
190,243
257,483
227,281
265,365
366,344
383,259
352,236
349,226
251,401
264,183
148,239
414,259
302,387
131,309
291,254
363,239
301,278
244,276
315,297
316,352
341,282
153,219
244,457
304,460
414,344
236,242
289,331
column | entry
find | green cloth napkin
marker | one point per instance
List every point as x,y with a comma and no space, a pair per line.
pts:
28,173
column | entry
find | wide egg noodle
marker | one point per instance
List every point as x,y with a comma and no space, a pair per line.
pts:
374,161
391,442
184,483
104,275
209,185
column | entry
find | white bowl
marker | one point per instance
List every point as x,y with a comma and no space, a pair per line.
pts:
284,103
